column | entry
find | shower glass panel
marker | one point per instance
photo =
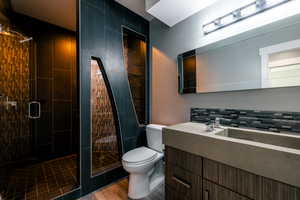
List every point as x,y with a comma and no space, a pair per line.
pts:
35,162
16,143
104,136
135,51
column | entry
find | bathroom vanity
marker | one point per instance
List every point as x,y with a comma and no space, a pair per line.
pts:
230,164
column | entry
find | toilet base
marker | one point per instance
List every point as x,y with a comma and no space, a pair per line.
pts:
141,185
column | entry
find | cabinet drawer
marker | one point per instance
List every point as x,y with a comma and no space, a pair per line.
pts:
212,191
238,180
182,184
187,161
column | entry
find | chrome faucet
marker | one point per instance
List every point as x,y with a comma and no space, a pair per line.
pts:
7,103
217,123
211,126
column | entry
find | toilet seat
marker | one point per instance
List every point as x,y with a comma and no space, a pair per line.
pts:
139,156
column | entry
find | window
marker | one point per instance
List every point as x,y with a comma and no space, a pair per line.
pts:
281,65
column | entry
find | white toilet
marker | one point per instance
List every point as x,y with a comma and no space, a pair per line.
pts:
145,164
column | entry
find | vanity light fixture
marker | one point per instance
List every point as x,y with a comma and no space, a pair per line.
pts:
240,14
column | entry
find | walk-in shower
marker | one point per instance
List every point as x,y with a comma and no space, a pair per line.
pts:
38,118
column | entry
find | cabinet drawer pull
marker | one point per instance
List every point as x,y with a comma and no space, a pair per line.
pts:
206,195
181,182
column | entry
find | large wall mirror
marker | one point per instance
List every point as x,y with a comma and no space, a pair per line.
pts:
268,57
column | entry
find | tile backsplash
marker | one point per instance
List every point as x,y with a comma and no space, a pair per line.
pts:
263,120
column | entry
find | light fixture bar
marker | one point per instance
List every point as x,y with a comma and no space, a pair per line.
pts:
240,14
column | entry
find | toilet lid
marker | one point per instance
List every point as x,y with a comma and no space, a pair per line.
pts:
138,155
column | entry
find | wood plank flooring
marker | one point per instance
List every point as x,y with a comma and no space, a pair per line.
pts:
118,191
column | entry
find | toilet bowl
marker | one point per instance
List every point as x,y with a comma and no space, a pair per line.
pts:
145,164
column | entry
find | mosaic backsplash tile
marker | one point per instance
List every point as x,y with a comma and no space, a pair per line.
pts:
262,120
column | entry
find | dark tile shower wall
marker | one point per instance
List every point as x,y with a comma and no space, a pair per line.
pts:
263,120
55,78
16,139
100,32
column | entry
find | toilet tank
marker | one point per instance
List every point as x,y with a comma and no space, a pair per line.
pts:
154,137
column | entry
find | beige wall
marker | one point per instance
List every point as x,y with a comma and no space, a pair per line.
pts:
167,105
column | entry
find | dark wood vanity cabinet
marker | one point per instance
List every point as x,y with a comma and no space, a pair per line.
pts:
190,177
183,175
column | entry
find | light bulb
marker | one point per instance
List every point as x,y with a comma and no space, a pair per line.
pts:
209,28
272,2
249,10
228,19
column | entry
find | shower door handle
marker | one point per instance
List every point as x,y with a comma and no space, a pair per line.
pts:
34,110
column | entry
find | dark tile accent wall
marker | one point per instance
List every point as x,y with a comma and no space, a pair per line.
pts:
274,121
100,36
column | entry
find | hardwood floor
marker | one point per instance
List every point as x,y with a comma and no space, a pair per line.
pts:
118,191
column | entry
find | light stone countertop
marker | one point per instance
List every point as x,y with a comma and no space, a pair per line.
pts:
272,161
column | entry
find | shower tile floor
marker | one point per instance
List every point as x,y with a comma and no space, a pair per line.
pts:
44,180
49,179
101,163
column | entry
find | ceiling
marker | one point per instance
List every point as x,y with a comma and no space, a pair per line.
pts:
58,12
172,12
137,6
63,12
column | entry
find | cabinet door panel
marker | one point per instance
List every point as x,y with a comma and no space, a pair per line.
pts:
213,191
228,176
273,190
249,184
210,170
242,182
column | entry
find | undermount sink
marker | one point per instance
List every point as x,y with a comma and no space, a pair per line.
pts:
283,140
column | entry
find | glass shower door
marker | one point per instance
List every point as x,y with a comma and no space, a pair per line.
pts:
16,135
16,138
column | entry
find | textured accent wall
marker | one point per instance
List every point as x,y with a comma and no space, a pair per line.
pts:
264,120
100,33
104,131
16,137
105,150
